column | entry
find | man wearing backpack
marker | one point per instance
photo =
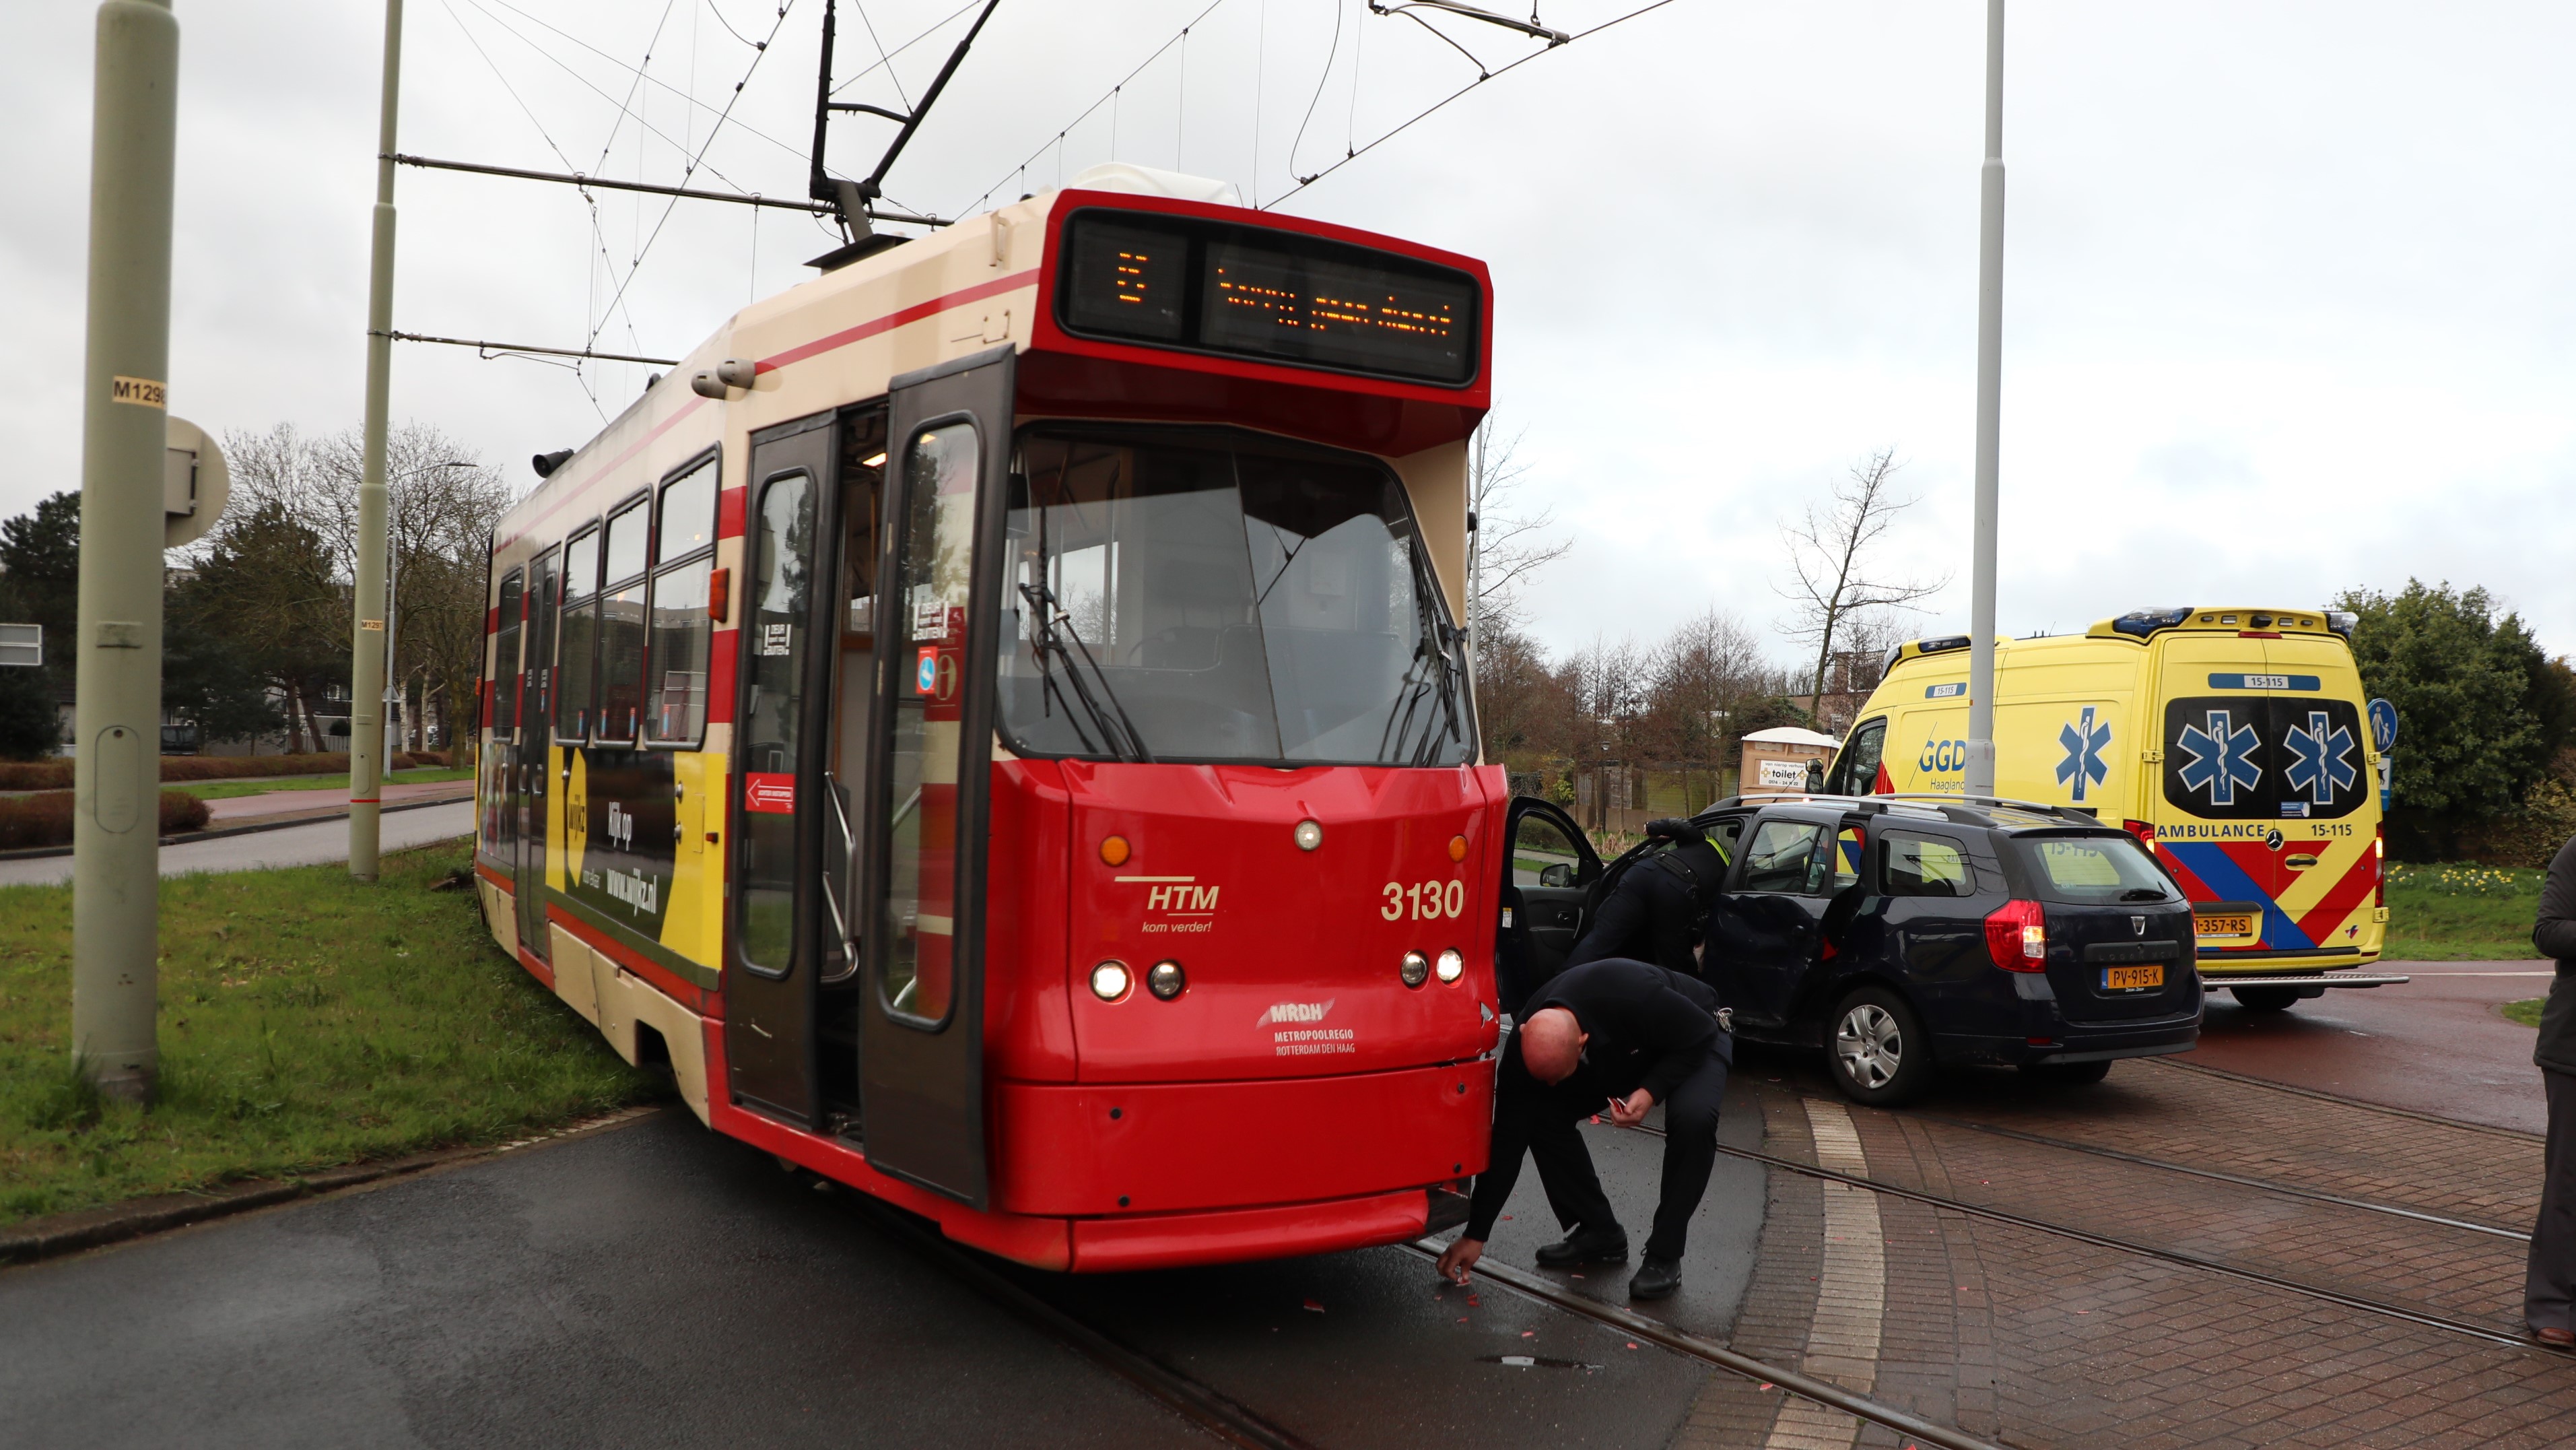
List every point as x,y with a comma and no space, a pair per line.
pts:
1655,908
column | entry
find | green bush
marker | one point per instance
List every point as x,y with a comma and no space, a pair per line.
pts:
45,818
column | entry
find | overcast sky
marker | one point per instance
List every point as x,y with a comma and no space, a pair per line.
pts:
2288,295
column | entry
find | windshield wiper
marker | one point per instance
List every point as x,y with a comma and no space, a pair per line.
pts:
1119,736
1416,681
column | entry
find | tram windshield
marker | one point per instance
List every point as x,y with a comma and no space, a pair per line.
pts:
1202,595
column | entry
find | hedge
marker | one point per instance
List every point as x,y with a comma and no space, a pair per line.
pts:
57,774
45,818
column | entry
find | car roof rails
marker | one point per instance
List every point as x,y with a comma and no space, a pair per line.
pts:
1879,801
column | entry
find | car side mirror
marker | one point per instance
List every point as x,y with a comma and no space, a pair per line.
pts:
1559,874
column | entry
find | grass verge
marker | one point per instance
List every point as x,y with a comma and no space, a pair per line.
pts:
307,1022
2527,1013
216,790
2461,913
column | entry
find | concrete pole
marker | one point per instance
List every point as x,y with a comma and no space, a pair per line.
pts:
1990,346
367,638
116,812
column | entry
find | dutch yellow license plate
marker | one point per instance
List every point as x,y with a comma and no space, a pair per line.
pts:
2133,979
2225,925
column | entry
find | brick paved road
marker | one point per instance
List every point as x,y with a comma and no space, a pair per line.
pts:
2037,1339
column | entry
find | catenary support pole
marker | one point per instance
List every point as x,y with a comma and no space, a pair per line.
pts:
116,810
1990,345
367,637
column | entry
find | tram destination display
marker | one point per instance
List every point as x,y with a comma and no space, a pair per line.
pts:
1250,292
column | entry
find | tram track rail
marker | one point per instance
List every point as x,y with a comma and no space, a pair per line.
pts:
2422,1318
1238,1424
2245,1080
2265,1185
1201,1404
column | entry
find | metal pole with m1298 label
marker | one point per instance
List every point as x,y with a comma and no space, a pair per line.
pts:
367,635
116,815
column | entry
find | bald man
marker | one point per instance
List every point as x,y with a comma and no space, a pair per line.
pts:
1618,1035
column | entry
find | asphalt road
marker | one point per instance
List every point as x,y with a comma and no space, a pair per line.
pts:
658,1285
2435,1045
311,844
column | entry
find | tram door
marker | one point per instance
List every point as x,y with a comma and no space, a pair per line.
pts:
529,773
923,827
501,802
788,638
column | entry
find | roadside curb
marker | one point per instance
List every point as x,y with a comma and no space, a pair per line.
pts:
214,833
89,1228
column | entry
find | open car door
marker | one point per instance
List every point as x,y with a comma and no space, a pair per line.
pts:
1548,868
923,827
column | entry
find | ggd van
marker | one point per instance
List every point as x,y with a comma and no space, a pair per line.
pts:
2233,742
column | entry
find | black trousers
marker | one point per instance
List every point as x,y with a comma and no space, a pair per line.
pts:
2549,1286
1690,1152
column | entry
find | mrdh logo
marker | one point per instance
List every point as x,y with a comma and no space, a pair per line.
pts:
1306,1041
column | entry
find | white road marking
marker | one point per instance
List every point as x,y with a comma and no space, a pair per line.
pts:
1851,1291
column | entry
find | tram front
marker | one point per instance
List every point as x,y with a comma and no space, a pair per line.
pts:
1179,792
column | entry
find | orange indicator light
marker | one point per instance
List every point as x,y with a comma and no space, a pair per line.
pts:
1457,848
1113,851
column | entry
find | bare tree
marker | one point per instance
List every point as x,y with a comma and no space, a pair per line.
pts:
292,536
1509,546
1698,678
1832,578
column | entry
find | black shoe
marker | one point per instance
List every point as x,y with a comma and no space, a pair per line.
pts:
1587,1245
1656,1279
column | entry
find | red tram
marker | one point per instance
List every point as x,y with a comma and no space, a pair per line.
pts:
993,724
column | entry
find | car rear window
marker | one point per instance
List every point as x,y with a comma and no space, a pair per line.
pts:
2093,870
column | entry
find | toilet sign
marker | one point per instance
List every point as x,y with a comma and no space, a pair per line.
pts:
194,484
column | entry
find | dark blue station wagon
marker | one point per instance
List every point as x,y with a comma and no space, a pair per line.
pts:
1900,935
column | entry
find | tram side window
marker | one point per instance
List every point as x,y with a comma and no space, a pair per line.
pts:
505,661
683,628
574,637
621,627
544,590
780,604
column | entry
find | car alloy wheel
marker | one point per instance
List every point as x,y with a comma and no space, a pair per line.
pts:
1870,1045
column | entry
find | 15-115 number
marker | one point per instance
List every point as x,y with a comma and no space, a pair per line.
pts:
1424,901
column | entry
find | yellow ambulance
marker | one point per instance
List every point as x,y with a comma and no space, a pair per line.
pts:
2235,742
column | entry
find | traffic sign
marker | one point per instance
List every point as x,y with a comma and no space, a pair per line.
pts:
194,484
2383,726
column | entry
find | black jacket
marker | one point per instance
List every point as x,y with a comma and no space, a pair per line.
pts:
1648,916
2555,934
1649,1028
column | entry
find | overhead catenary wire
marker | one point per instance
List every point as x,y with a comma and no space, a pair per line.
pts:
1494,75
1107,98
685,172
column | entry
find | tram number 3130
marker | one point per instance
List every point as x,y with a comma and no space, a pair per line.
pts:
1426,901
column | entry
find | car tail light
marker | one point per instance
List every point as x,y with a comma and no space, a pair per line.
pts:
2017,936
2145,832
2379,866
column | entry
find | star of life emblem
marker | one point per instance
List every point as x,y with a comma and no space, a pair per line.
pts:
2084,742
2321,759
2221,758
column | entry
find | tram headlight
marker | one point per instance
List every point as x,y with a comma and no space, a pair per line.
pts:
1110,981
1309,835
1416,969
1451,966
1167,980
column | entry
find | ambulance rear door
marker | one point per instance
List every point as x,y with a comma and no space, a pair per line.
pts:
2328,865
